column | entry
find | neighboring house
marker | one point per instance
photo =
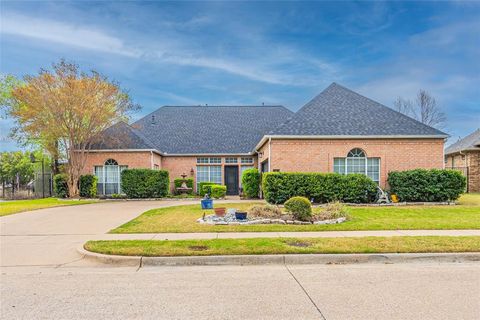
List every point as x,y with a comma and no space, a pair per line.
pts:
338,131
464,155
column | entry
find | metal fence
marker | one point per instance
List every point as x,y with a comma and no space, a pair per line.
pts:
40,187
43,185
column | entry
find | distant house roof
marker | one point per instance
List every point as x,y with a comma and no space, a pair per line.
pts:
470,142
338,111
210,129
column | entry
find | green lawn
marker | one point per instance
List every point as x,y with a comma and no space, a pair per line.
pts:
255,246
466,215
16,206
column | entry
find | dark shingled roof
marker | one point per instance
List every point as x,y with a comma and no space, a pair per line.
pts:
122,136
470,142
210,129
338,111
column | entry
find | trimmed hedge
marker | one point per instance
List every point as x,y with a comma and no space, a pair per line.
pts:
251,183
60,186
278,187
204,187
88,186
300,208
145,183
218,191
178,183
427,185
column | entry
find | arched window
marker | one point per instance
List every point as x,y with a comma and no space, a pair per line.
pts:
356,153
111,162
356,161
109,177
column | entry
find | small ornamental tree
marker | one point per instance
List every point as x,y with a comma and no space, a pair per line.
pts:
65,110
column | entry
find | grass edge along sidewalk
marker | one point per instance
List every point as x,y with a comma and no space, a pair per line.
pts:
17,206
264,246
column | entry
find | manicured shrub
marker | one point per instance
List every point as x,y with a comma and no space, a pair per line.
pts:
300,208
178,183
266,211
358,188
204,187
251,183
60,186
218,191
88,186
427,185
145,183
278,187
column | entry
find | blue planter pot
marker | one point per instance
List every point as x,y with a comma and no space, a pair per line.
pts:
207,204
239,215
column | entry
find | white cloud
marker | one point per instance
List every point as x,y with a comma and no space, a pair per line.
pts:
277,65
64,33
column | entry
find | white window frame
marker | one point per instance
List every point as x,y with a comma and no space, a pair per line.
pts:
120,168
231,160
246,160
366,164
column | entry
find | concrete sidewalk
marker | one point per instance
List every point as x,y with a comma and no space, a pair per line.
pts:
318,234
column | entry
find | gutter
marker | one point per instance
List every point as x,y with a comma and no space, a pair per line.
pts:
165,154
125,150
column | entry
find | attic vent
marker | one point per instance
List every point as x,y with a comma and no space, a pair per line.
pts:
153,119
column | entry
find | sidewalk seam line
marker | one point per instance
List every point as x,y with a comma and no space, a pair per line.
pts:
304,290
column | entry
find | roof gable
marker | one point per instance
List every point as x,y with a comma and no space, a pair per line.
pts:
338,111
470,142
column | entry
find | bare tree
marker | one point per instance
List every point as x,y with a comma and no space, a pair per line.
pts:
424,109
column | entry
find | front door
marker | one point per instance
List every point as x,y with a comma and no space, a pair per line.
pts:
231,180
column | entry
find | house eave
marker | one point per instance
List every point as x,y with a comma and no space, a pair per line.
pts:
205,154
166,154
126,150
343,137
447,153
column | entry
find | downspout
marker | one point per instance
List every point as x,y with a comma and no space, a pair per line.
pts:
269,153
151,159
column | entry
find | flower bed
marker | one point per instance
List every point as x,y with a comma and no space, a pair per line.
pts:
230,219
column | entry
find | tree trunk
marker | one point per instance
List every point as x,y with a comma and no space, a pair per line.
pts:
72,186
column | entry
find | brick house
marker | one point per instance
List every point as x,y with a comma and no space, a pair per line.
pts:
464,155
337,131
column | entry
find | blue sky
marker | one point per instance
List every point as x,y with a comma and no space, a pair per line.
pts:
191,53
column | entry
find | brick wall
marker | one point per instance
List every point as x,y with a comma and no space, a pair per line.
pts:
474,171
395,154
176,166
130,159
468,160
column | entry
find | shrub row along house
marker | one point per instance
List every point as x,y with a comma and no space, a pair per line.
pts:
337,131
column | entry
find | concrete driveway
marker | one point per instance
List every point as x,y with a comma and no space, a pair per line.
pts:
49,237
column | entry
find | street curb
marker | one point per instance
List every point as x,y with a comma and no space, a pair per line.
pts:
109,259
290,259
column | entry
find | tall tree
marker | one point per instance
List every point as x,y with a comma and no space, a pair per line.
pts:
424,109
66,109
